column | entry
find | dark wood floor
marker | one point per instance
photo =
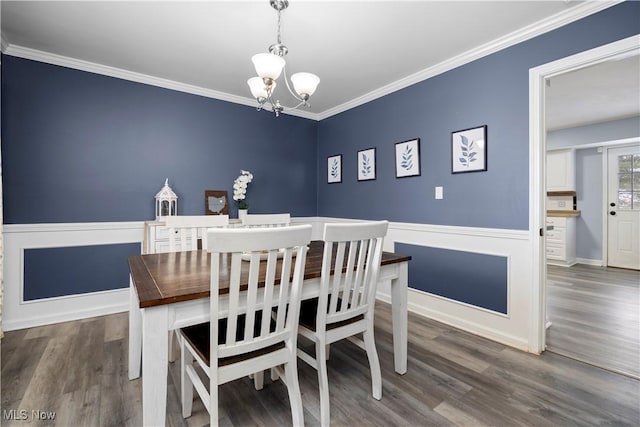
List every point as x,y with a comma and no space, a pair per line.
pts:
79,371
595,316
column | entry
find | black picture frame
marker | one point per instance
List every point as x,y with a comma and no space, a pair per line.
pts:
408,158
366,163
334,169
469,150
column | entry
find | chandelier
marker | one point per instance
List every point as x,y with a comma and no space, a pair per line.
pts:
270,65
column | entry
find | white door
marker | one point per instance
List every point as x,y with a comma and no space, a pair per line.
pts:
623,207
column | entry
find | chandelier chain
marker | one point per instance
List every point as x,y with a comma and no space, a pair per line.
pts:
278,32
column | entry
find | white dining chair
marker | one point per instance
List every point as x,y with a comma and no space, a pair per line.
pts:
249,337
345,306
183,233
266,220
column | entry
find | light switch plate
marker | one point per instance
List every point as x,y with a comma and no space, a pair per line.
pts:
439,193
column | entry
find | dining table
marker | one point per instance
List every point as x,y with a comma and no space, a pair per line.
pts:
171,290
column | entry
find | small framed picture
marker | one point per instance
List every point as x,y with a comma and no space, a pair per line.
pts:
408,158
334,169
469,150
367,164
216,202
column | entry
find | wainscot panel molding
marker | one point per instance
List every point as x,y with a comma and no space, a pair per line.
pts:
19,314
511,329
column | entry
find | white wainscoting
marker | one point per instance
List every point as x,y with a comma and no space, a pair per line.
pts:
511,329
19,314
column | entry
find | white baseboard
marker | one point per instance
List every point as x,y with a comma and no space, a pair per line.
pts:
596,262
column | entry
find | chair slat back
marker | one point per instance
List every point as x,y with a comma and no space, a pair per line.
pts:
184,231
266,271
266,220
353,252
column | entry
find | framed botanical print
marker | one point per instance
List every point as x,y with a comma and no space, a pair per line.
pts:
408,158
367,164
469,150
334,169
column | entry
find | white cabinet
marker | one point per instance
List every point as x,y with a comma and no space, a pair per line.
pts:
561,170
561,241
156,237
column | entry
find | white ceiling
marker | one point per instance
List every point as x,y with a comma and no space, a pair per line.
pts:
602,92
360,49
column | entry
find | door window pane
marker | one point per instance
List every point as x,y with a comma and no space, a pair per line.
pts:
624,163
629,182
624,199
624,182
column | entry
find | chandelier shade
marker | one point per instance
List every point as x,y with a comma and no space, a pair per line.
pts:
305,83
269,67
258,88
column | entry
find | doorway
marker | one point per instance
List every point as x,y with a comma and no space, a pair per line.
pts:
538,78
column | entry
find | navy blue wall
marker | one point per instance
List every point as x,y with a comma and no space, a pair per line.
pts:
475,279
76,270
491,91
81,147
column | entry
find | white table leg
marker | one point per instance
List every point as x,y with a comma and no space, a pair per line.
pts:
155,361
399,288
135,333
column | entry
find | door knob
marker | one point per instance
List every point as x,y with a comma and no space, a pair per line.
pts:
612,213
612,204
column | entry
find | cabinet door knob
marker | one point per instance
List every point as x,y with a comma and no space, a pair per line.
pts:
612,204
612,213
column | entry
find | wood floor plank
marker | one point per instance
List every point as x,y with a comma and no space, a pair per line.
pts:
79,370
595,316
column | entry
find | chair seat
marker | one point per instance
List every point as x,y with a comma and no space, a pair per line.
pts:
198,338
308,315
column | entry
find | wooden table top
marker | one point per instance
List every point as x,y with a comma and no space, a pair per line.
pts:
170,277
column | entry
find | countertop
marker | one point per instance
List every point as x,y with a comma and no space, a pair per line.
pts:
563,213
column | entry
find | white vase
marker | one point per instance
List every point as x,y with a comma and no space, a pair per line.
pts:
242,213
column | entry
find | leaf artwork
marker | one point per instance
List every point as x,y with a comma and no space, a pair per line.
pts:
407,158
334,168
467,149
366,165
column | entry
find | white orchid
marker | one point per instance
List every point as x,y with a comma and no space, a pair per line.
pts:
240,188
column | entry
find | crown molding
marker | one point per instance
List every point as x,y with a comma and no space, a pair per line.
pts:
548,24
558,20
92,67
3,42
